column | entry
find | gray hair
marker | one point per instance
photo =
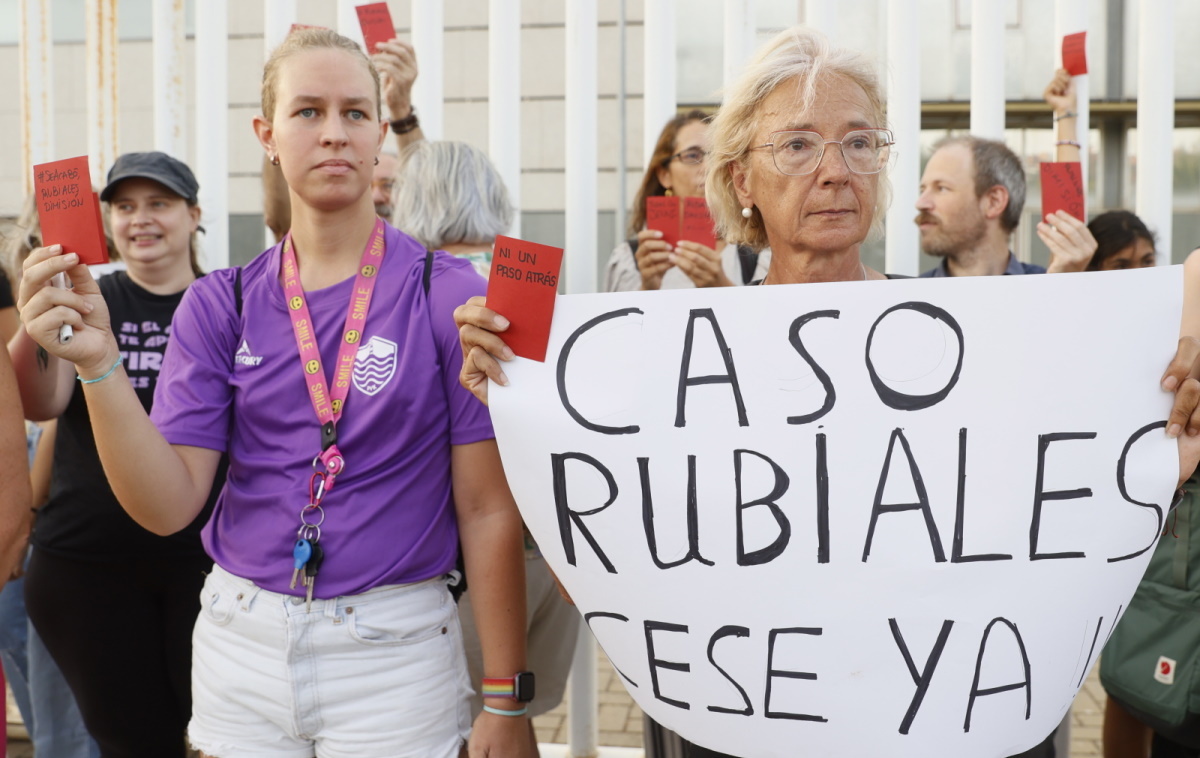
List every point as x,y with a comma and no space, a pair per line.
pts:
798,53
449,192
995,165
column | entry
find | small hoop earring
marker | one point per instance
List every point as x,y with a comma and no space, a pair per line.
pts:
747,212
376,160
274,160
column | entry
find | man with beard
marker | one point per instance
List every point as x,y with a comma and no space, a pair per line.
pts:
972,194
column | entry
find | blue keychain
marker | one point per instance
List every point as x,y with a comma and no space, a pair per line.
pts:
301,552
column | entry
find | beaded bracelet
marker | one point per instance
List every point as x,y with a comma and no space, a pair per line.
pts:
1071,142
1060,116
101,378
500,712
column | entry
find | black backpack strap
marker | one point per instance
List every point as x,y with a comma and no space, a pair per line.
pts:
428,271
749,262
458,587
237,291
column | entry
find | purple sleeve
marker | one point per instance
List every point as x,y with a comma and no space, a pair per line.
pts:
193,398
452,283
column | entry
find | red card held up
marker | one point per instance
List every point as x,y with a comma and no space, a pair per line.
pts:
522,287
1074,53
1062,189
68,210
697,223
662,215
376,22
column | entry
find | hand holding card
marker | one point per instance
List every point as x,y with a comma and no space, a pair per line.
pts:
522,287
69,213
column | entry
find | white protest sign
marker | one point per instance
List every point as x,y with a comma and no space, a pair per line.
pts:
851,519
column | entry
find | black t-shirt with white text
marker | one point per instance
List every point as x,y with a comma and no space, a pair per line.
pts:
82,519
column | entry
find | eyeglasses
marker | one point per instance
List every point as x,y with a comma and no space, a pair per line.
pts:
795,153
692,156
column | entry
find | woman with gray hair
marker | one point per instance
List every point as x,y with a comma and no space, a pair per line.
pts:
797,163
450,197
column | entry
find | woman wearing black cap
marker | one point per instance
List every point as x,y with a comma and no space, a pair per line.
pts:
114,603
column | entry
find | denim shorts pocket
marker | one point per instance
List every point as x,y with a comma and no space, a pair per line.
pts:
402,619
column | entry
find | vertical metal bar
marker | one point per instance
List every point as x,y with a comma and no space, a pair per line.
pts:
621,216
1156,120
347,22
581,92
212,127
278,17
168,77
428,91
504,98
103,146
822,15
583,706
740,31
902,254
1071,16
658,71
37,91
987,69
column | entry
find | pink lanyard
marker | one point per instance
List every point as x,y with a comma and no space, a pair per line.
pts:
330,404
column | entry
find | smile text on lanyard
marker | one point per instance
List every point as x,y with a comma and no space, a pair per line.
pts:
328,402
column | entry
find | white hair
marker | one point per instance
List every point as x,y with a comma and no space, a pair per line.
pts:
449,192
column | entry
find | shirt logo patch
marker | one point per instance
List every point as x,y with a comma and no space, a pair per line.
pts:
246,356
374,365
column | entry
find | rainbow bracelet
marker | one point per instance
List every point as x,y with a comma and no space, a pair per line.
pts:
498,688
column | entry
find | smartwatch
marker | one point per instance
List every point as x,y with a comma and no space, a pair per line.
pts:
519,687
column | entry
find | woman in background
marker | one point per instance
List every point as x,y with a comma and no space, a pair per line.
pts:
645,261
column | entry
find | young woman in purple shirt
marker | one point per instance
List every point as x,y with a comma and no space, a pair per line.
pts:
326,625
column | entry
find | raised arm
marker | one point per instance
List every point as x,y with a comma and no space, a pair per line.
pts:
163,487
397,62
1060,96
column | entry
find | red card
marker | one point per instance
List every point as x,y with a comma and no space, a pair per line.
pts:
304,26
68,210
1074,53
697,223
521,287
662,215
1062,189
376,23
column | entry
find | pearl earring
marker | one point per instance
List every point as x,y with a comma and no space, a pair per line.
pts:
747,212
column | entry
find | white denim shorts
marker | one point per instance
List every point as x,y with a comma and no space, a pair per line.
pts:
377,674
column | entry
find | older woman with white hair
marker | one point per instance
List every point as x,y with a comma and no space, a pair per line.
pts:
450,197
797,162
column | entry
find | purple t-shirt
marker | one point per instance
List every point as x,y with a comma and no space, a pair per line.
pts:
239,387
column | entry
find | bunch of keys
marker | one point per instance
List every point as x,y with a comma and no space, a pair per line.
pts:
307,555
